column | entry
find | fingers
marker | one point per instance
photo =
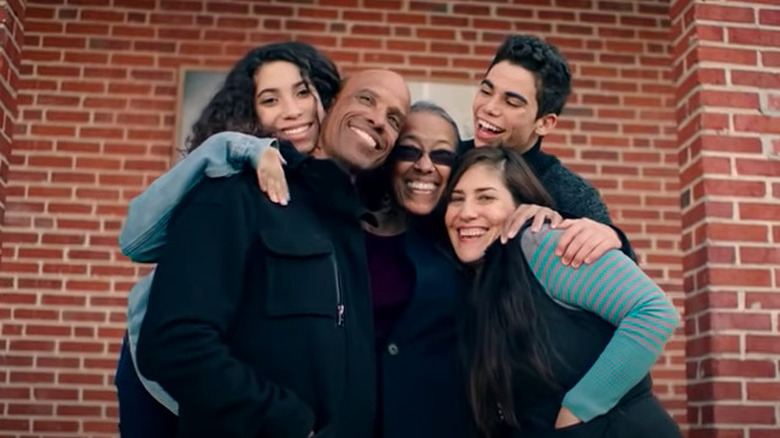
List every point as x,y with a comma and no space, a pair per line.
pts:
556,220
584,241
579,249
598,251
542,215
572,228
270,177
523,213
573,244
516,220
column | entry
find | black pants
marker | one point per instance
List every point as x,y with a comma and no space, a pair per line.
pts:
140,415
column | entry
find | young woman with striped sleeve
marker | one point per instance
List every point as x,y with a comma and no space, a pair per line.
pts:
552,351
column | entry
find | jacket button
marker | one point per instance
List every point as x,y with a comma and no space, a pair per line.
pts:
392,349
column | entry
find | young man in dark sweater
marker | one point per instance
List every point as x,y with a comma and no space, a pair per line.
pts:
517,104
259,320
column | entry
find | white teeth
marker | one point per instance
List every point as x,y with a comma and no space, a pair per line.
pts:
364,136
488,126
296,131
419,186
471,232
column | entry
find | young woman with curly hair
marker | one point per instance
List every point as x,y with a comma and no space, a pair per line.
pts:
277,90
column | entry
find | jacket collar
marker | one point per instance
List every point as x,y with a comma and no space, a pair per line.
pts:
332,186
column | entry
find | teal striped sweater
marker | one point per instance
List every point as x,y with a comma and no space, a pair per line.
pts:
617,290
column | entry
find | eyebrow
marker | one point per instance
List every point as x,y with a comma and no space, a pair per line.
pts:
295,85
509,94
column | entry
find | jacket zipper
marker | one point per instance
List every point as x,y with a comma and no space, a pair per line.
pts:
340,309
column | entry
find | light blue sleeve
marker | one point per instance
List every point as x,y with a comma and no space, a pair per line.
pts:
221,155
137,302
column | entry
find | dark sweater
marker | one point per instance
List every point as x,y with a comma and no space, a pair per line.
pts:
259,320
574,196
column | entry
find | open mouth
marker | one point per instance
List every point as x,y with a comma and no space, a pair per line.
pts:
296,131
488,128
367,139
471,233
422,188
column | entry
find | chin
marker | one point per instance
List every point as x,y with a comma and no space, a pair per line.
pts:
418,209
468,257
304,146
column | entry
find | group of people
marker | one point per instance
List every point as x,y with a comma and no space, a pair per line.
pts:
334,261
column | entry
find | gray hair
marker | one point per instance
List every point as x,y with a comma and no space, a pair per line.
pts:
430,107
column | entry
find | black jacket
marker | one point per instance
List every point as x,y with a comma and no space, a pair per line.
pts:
422,380
259,319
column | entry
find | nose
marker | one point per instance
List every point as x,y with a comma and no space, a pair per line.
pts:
376,117
467,211
291,109
424,164
491,107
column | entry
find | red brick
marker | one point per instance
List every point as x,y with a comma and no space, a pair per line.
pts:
739,415
723,367
759,37
713,345
729,99
762,344
718,321
706,391
736,277
764,391
734,187
714,12
769,16
756,79
771,59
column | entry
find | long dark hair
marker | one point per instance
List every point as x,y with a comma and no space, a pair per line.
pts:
502,334
232,108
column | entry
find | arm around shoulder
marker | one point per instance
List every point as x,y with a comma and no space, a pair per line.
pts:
615,289
221,155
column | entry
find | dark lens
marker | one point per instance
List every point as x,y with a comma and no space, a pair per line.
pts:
407,153
443,157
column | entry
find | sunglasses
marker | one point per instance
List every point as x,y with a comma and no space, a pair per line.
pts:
441,157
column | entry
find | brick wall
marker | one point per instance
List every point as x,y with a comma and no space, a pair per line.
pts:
98,108
727,71
11,30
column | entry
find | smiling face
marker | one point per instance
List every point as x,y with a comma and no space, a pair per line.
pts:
419,183
476,211
286,105
365,119
505,109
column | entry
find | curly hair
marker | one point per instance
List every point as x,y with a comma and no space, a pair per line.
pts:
232,108
549,67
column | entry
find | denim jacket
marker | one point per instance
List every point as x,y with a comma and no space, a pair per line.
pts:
144,233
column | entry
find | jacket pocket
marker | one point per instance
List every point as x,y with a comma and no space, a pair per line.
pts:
302,278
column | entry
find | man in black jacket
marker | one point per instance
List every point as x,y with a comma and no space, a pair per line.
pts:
518,102
259,320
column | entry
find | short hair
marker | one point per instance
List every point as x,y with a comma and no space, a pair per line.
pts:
545,62
430,107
